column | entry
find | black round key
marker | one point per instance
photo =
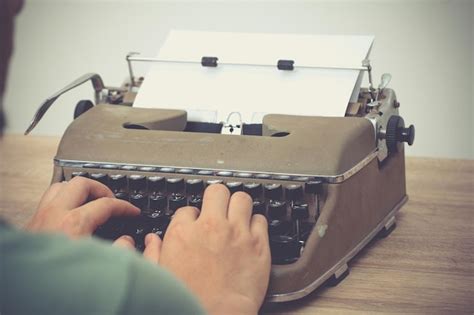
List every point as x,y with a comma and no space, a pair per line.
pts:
121,195
314,186
299,211
285,249
157,203
277,210
258,207
194,186
117,182
82,174
196,201
175,185
277,227
100,177
253,189
137,183
273,191
139,201
177,201
156,184
294,192
234,186
214,181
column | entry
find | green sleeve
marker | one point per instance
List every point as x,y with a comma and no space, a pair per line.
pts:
50,274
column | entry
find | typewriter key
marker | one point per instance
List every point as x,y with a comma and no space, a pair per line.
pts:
196,201
100,177
139,201
158,203
273,191
276,210
156,184
258,207
137,183
117,182
194,186
235,187
174,185
177,201
284,249
294,192
253,189
82,174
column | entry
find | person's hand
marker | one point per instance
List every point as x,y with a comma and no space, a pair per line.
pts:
76,208
222,254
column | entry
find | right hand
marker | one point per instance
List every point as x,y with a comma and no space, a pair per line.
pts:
222,254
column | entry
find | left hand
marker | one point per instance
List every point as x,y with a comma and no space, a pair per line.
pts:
77,208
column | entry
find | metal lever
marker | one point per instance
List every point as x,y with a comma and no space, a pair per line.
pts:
384,81
97,84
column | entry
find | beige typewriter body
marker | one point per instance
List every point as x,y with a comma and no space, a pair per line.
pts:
349,172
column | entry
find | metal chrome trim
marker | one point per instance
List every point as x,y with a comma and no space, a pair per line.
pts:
336,179
132,57
344,261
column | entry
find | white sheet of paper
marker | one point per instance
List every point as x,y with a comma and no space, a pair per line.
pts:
212,94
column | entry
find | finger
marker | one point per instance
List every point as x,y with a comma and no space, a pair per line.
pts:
152,248
125,241
215,202
259,227
50,193
97,212
240,209
185,214
79,190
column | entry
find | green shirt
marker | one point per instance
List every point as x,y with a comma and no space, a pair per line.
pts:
50,274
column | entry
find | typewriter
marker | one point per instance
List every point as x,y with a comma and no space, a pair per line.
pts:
327,185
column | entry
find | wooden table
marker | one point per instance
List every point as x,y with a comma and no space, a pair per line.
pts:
424,266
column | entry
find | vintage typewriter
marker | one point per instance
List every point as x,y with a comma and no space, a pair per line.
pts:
327,185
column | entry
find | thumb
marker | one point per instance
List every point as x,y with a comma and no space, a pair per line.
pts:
152,248
125,241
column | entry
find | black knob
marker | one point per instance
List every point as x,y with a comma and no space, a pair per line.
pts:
82,174
273,191
139,201
121,195
284,249
194,186
157,203
100,177
277,210
299,211
396,132
177,201
294,192
175,185
314,187
156,184
117,182
196,201
258,207
137,183
234,187
253,189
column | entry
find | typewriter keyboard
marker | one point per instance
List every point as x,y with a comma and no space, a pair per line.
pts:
290,204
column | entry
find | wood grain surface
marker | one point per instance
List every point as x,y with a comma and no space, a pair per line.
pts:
424,266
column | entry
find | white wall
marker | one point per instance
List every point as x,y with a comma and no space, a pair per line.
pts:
426,45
